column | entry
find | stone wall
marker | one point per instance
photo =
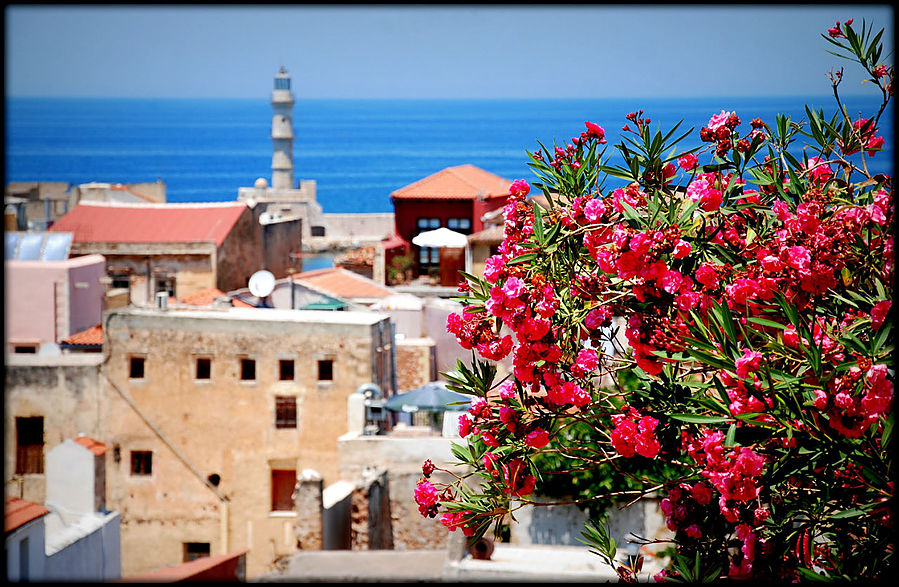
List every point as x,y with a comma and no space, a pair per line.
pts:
241,254
415,363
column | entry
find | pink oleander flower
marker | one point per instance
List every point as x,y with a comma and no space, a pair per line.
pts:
493,268
519,188
596,132
681,249
455,520
719,120
707,276
879,313
537,438
693,531
507,390
880,71
835,31
688,162
594,209
587,360
598,317
702,493
748,363
426,496
818,169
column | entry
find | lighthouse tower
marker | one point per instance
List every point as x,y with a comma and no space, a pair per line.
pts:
282,133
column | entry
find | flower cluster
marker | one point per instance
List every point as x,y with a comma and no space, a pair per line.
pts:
752,289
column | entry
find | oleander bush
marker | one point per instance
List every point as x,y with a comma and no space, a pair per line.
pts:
751,276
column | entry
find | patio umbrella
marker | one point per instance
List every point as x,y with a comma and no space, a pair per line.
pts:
431,397
441,237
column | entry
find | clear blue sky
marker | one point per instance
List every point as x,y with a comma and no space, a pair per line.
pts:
402,51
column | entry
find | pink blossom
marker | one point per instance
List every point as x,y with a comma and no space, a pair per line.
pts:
598,317
702,493
707,276
426,496
749,362
693,531
519,188
719,120
537,438
880,71
507,390
681,249
594,210
587,360
879,313
493,267
595,131
687,162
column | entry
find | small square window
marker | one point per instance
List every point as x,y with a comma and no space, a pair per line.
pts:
141,462
195,550
204,368
285,412
326,370
136,367
285,370
247,369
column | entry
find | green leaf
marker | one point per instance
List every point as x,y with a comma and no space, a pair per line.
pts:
700,419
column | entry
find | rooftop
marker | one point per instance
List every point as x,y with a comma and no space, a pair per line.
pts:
208,296
95,446
108,222
19,512
342,283
463,182
257,315
93,336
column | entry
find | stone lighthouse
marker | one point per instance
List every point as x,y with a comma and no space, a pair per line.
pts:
282,133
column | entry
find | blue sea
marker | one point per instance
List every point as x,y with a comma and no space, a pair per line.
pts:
358,151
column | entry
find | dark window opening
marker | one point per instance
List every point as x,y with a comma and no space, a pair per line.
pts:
214,479
317,230
247,369
166,284
30,446
285,412
285,369
195,550
141,462
204,368
136,367
326,370
283,484
25,349
120,281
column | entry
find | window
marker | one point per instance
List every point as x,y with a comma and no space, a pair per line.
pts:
427,256
326,370
424,224
136,367
283,483
247,369
317,230
26,349
30,446
141,462
285,412
203,368
195,550
461,225
285,370
166,284
120,280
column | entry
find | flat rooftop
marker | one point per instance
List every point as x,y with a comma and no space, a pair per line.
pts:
258,315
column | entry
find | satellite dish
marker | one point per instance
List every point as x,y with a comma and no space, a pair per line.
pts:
262,283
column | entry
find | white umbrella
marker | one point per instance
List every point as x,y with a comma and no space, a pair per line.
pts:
441,237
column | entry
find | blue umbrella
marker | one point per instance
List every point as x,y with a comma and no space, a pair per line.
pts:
431,397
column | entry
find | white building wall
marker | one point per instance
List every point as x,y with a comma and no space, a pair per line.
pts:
70,479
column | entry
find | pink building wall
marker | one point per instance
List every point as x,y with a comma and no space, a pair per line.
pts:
34,303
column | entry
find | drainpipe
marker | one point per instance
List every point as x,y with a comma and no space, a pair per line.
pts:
149,281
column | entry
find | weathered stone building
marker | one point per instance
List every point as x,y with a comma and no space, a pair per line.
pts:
181,248
210,414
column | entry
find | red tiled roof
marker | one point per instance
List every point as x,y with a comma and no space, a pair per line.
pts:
207,296
342,283
491,235
96,447
93,336
463,182
104,222
19,512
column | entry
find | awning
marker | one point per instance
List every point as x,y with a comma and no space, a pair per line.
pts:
441,237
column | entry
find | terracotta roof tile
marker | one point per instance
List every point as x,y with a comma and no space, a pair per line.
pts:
208,296
93,336
96,447
492,235
105,222
342,283
463,182
203,568
19,512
